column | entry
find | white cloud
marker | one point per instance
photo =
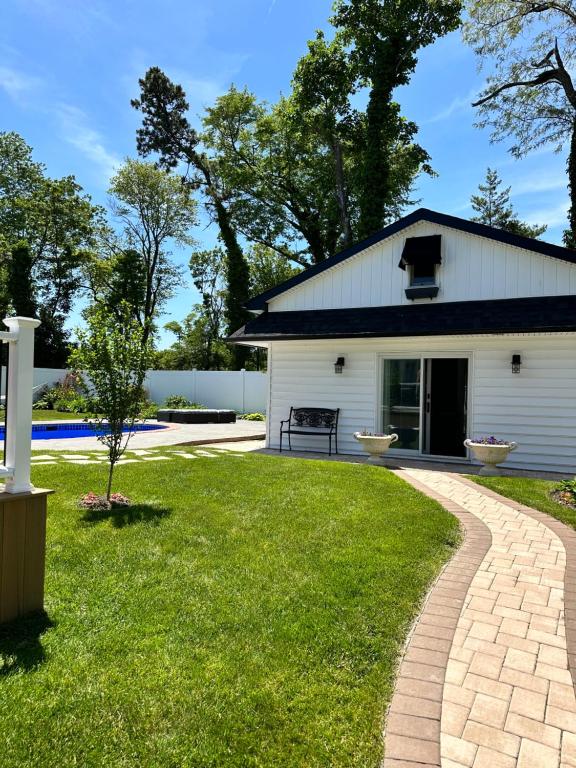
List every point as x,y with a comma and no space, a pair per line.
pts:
76,131
457,106
552,216
17,84
538,182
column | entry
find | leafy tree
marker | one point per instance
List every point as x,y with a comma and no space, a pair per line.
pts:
155,210
530,94
267,269
59,225
384,37
114,357
20,288
166,131
323,82
494,208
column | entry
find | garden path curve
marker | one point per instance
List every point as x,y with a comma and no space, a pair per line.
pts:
487,679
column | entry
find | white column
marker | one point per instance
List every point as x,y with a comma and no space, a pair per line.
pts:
19,403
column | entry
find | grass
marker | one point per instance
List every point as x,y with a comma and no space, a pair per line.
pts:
249,611
532,492
50,416
56,416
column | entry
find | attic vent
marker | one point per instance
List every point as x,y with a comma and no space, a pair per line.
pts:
422,255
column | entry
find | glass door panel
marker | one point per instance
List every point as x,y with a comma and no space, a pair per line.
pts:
401,401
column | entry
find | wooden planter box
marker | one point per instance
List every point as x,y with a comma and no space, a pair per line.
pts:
22,553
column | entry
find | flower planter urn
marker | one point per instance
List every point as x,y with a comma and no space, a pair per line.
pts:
375,445
490,455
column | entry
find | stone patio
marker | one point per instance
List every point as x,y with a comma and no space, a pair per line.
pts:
174,434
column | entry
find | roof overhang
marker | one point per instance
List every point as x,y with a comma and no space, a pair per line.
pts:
547,314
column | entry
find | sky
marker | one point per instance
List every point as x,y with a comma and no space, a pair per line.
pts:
68,69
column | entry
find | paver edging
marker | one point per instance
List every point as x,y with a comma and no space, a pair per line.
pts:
568,538
412,731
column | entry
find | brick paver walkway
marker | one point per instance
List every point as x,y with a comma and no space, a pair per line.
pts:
486,681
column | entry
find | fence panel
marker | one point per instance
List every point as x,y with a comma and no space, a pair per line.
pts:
242,391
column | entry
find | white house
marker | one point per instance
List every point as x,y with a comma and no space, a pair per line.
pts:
429,315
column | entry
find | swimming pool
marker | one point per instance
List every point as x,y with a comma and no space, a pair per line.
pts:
65,430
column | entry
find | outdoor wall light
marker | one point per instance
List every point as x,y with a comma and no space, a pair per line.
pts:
516,363
339,365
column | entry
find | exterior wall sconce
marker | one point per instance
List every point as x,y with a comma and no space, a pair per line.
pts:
339,365
516,363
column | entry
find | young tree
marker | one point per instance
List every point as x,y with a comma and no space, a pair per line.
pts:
384,38
114,357
530,94
156,210
493,207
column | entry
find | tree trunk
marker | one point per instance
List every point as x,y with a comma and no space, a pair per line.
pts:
109,487
237,279
341,193
380,115
570,234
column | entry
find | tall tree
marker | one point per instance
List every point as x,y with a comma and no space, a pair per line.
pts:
267,269
493,207
166,131
323,83
156,211
530,94
59,225
385,37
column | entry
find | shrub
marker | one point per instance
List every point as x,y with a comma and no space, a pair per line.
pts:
253,417
565,493
68,396
179,401
149,410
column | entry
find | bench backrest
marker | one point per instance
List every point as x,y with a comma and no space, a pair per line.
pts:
314,417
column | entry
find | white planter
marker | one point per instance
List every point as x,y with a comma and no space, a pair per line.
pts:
490,455
375,445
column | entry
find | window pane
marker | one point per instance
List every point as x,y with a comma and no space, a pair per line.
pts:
401,402
423,274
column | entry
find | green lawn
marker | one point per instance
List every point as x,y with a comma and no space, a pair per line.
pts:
56,416
51,416
248,612
532,492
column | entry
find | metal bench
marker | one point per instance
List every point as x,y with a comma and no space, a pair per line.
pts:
311,421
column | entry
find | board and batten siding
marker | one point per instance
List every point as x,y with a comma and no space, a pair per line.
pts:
473,268
536,408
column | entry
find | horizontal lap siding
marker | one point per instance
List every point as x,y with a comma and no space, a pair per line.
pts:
536,408
303,375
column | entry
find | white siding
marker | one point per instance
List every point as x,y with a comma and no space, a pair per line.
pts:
536,408
472,268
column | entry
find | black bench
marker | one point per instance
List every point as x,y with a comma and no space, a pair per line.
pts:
311,421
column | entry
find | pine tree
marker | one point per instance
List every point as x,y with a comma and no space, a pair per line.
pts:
494,208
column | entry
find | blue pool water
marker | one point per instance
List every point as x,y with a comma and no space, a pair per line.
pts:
75,429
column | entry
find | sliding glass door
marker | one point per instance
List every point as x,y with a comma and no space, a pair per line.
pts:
401,399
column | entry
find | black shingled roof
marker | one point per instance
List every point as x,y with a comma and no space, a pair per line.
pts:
546,314
422,214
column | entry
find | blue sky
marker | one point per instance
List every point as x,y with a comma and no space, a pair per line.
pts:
68,69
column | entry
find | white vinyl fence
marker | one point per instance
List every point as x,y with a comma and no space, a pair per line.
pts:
242,391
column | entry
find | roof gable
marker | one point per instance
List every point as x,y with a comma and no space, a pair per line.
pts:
422,214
